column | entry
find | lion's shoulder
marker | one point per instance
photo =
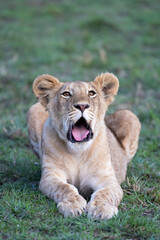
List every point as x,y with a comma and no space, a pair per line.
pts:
125,126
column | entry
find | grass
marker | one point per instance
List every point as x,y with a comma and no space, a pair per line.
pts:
77,40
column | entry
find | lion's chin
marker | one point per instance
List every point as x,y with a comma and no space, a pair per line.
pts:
79,132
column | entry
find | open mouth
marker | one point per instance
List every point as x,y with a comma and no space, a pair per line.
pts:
80,131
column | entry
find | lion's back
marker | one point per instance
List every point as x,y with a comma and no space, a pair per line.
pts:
36,117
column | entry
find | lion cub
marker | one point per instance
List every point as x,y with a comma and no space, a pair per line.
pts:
83,152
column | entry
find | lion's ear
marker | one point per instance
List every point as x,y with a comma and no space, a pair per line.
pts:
42,86
109,85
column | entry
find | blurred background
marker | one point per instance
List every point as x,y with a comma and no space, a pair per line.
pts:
77,40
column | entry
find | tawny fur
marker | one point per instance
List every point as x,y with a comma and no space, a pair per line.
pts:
72,171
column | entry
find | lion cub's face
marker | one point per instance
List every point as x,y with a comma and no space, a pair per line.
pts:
76,109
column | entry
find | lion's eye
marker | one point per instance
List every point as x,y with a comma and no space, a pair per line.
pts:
66,94
92,93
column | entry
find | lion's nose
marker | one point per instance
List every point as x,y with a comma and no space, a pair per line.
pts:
81,107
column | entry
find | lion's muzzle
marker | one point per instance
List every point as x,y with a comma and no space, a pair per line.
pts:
80,131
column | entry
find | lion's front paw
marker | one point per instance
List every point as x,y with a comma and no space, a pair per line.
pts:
72,206
101,210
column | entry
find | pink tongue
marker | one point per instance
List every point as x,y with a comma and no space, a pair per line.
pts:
79,133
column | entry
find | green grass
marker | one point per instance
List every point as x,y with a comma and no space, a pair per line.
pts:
77,40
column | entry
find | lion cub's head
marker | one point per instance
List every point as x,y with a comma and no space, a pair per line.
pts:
76,109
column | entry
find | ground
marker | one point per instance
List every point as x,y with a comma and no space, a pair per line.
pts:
77,40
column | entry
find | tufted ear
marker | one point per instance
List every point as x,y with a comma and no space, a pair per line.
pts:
109,85
43,85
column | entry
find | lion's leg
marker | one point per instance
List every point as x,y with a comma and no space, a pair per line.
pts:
36,117
126,127
106,197
54,185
